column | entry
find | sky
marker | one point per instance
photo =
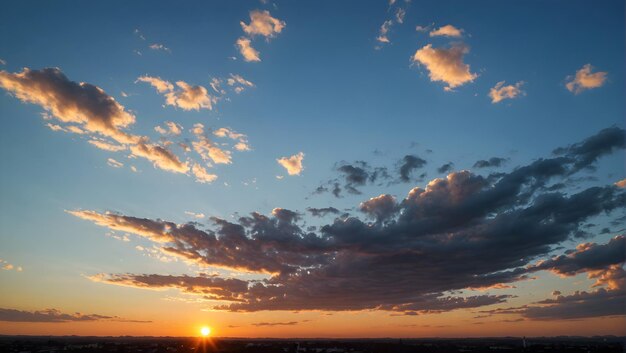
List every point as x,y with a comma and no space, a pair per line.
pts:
312,168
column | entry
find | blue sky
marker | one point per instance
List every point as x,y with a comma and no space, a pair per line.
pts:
324,87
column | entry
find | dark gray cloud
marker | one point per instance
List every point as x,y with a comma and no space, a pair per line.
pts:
289,323
414,255
490,163
409,164
55,316
322,212
446,168
353,176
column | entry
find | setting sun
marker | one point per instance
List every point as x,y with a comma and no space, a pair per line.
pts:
205,331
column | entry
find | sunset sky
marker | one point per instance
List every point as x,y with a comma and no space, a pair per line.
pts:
312,168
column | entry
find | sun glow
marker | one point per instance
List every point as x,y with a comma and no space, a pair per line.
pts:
205,331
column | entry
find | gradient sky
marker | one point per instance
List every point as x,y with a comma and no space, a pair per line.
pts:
312,168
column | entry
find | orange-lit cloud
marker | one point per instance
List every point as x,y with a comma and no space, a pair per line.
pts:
501,92
262,23
585,79
186,96
292,164
202,176
447,31
70,102
446,64
247,51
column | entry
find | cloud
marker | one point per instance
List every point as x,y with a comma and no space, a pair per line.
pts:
247,51
581,304
242,140
353,176
262,23
186,96
380,208
115,164
292,164
239,83
261,324
384,30
160,157
322,212
55,316
423,253
171,128
585,79
445,168
195,215
400,13
501,92
103,145
83,104
447,31
161,86
209,151
409,164
8,266
596,260
202,176
492,162
446,64
621,183
87,110
159,46
210,287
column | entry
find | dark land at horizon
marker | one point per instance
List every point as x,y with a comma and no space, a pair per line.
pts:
79,344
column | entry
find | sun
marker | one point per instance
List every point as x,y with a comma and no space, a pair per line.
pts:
205,331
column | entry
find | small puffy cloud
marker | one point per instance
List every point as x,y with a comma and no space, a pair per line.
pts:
262,23
292,164
447,31
446,64
186,96
171,128
202,176
501,92
189,97
209,151
115,164
246,50
621,183
585,79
